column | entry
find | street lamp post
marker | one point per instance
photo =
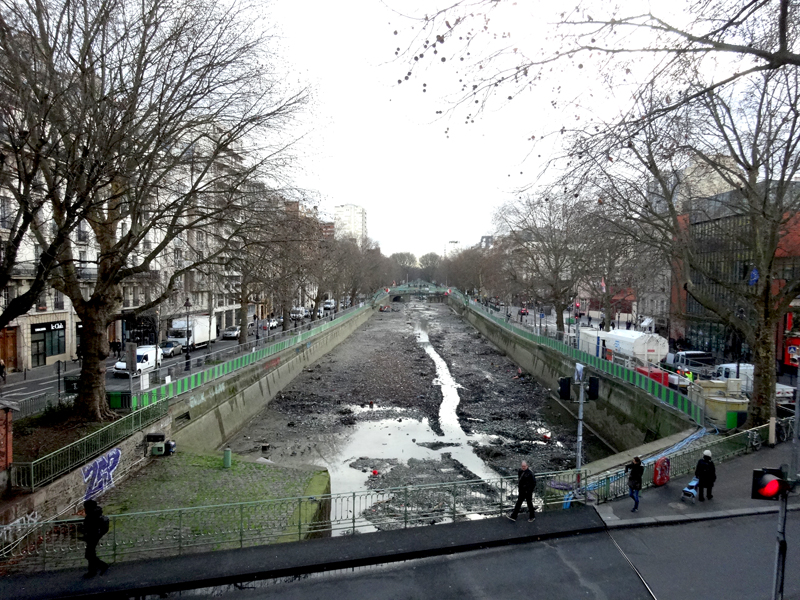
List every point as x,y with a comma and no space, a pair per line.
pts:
187,305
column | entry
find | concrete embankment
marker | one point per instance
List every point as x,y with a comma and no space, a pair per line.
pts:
205,418
623,414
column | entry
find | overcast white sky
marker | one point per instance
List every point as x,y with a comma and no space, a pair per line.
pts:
380,145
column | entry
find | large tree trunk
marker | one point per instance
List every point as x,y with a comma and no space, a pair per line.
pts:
243,319
91,403
559,308
762,402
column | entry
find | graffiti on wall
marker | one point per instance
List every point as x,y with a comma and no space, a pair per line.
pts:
99,475
11,531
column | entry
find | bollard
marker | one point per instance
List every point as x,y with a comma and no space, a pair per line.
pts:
226,459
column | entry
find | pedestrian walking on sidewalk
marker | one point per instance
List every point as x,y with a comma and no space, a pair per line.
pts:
95,526
706,474
3,369
526,484
636,469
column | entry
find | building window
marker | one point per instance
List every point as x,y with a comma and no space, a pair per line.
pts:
58,300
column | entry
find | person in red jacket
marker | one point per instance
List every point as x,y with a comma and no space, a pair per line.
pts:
526,486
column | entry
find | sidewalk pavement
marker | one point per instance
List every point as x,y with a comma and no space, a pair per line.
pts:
663,505
658,506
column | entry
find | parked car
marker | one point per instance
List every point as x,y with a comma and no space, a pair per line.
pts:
306,313
251,328
297,313
231,333
147,359
171,348
273,323
329,304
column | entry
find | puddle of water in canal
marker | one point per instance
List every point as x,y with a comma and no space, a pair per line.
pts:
390,438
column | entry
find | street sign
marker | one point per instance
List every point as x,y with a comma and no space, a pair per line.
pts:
541,315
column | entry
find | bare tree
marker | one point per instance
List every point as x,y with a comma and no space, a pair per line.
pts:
173,106
734,253
725,40
544,235
430,263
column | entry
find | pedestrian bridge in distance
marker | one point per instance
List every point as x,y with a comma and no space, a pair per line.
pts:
418,290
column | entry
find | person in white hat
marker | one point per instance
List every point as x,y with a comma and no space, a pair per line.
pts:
706,474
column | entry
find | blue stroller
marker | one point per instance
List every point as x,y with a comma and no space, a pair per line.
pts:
690,491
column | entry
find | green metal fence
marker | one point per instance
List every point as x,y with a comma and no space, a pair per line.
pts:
660,392
34,474
175,532
149,407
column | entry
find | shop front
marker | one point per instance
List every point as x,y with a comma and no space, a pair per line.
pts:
47,340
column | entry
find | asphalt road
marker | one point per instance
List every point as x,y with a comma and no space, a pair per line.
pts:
710,560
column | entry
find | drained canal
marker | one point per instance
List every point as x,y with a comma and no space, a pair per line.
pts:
414,396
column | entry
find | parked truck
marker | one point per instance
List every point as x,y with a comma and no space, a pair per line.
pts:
202,330
697,362
646,347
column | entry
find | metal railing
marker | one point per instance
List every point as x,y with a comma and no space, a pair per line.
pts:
689,406
34,474
36,404
611,485
174,532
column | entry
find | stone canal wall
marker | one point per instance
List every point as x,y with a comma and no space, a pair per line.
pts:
205,418
623,414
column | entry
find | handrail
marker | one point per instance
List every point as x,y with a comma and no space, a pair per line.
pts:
187,530
32,475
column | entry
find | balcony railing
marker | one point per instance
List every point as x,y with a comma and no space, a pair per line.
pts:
87,272
24,271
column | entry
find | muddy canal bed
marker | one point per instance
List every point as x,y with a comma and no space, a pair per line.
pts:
414,396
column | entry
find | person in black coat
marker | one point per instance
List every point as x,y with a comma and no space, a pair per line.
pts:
636,469
92,532
526,485
706,474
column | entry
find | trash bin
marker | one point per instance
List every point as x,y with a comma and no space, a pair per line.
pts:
71,384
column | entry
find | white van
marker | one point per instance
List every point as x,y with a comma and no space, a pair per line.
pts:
147,359
298,313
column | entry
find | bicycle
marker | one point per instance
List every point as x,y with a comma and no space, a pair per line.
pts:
784,432
753,441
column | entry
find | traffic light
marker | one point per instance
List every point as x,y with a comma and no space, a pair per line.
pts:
768,484
563,388
577,305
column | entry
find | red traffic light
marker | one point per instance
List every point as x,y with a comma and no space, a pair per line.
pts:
768,484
